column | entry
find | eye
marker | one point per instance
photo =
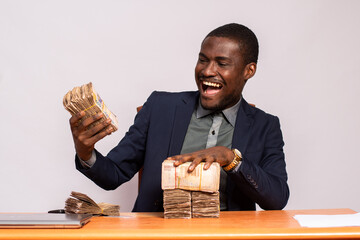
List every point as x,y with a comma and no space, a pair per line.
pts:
223,64
223,61
202,60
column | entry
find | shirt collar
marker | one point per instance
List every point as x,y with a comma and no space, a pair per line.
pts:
229,113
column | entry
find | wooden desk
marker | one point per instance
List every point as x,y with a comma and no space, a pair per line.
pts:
230,225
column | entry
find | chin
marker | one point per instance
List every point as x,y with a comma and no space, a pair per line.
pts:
210,105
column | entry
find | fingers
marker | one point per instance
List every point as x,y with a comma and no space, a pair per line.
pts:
87,131
93,135
75,119
195,162
85,123
180,159
220,154
97,128
195,158
88,125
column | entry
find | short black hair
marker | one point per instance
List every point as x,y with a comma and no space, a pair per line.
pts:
248,42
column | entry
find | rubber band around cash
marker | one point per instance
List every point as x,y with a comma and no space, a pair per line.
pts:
90,107
96,102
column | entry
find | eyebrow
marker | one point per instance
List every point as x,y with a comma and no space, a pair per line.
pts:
219,58
223,59
202,55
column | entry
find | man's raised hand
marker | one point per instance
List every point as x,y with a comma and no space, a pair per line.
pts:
85,134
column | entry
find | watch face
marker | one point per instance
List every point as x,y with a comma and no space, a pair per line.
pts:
238,153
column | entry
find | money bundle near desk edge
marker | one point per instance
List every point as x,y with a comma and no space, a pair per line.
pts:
205,204
80,203
193,194
177,203
84,98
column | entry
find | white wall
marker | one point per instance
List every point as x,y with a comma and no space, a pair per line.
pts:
308,75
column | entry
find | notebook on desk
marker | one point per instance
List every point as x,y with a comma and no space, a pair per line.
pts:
43,220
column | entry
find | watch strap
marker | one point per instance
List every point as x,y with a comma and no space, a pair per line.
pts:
235,161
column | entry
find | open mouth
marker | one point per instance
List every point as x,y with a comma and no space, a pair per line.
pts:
211,88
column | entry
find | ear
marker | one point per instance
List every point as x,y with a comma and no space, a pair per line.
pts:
250,70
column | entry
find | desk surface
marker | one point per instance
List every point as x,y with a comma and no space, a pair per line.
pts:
230,225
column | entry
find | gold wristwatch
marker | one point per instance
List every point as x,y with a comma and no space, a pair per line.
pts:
235,161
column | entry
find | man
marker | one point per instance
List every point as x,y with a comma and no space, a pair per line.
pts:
213,124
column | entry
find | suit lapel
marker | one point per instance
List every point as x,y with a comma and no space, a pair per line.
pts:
244,121
243,125
182,119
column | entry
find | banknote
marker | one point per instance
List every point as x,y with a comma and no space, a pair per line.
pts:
198,180
85,98
80,203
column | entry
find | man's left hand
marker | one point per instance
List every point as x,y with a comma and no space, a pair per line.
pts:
220,154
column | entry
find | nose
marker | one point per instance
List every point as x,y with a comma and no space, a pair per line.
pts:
209,70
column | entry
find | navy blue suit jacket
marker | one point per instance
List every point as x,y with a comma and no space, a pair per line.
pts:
158,132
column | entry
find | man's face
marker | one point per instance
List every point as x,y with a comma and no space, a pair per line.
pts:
221,73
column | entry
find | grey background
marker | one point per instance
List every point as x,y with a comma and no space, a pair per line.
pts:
308,75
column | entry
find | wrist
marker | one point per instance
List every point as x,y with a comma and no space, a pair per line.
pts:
235,162
84,156
84,152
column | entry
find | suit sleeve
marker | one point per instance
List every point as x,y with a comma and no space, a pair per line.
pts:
125,160
262,175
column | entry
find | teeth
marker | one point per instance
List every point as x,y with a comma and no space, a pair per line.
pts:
212,84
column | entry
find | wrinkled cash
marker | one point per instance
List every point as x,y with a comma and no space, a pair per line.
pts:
198,180
205,204
194,194
84,98
80,203
177,203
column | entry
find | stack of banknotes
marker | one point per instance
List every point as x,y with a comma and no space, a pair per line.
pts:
79,203
177,203
84,98
205,204
198,180
198,189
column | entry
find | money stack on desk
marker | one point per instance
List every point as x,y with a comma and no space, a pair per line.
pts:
202,187
79,203
84,98
177,203
205,204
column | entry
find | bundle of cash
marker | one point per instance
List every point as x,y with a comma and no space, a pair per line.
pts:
80,203
84,98
198,180
205,204
177,203
194,194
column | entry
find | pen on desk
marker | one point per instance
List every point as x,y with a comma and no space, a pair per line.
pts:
57,211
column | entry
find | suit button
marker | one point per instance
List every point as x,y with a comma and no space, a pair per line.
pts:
157,203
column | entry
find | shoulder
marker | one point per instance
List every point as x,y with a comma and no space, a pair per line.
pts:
173,95
169,98
263,125
258,114
165,102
